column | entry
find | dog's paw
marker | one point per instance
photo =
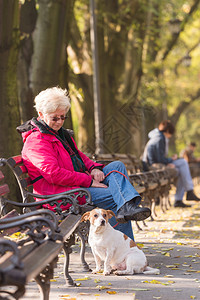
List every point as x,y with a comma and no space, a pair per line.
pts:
106,273
118,272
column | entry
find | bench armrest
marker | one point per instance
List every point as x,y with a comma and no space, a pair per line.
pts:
38,225
69,197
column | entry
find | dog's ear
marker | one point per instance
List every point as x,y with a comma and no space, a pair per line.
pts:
110,214
85,216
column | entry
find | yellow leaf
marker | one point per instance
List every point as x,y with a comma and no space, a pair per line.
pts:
167,254
53,280
167,249
102,287
155,281
193,297
97,280
84,278
140,245
111,292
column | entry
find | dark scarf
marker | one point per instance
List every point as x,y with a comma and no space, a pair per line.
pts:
64,137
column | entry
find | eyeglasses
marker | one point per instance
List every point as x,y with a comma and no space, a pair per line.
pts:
56,119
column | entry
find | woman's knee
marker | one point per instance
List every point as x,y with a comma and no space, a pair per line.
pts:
118,165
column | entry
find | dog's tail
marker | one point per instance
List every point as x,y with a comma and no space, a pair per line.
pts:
151,271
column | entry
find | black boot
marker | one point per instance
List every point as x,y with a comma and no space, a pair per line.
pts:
130,211
191,196
181,204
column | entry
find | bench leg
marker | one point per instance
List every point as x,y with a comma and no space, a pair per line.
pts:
67,250
83,231
43,280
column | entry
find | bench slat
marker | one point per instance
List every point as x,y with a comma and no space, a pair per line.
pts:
15,160
1,175
4,189
69,224
41,256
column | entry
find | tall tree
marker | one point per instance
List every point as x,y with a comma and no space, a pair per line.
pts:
43,61
9,112
9,43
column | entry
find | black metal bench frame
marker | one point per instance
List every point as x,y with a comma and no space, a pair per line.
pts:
69,220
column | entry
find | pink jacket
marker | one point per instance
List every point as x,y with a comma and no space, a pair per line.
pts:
43,154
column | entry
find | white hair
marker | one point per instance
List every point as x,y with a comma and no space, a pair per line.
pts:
51,100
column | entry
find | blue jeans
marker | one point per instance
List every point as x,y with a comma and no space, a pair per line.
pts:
184,182
118,192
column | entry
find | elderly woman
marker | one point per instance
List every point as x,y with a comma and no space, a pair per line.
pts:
55,164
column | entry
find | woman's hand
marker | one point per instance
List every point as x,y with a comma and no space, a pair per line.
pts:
98,184
97,175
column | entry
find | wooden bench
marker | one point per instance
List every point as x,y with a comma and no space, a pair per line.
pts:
69,220
34,256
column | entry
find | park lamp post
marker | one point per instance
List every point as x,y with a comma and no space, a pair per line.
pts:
96,88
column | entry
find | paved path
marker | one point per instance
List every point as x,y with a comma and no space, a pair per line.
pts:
171,243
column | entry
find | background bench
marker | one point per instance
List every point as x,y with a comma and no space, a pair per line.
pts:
154,186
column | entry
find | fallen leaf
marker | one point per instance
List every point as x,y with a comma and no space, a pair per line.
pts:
111,292
97,280
84,294
84,278
167,249
102,287
140,245
78,284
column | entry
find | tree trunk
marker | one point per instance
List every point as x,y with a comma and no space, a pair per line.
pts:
9,113
49,44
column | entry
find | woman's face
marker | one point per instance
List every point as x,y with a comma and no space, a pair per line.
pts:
54,120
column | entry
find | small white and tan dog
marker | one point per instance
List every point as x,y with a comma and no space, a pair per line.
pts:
118,252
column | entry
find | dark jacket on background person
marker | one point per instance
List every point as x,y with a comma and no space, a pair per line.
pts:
155,150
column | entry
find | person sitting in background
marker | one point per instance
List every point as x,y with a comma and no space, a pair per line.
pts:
188,153
156,152
55,164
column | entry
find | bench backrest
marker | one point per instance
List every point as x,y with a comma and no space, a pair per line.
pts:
4,188
16,164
